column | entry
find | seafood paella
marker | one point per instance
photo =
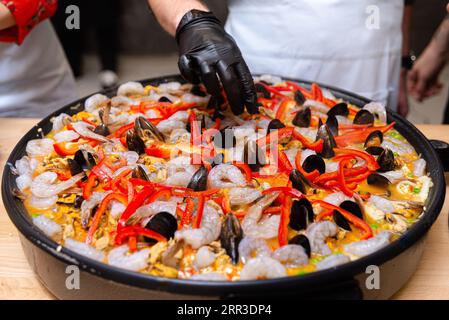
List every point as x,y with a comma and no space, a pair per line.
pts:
167,181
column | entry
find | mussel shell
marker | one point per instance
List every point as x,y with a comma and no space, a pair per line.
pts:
253,156
301,214
374,139
340,109
145,129
74,167
218,159
314,162
299,182
163,223
164,99
224,139
352,207
199,180
364,117
230,236
262,90
332,124
78,201
299,97
375,151
341,221
215,102
378,180
102,130
135,142
302,118
85,159
386,161
140,173
328,141
275,124
302,241
198,91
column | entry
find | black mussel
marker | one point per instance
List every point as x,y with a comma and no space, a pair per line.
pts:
102,130
262,90
78,201
230,236
386,161
164,99
140,173
145,129
215,102
218,159
299,97
375,151
364,117
341,221
374,139
225,139
198,91
378,180
340,109
299,182
328,141
352,207
275,124
135,142
301,214
302,241
302,118
199,180
163,223
314,162
332,124
85,159
253,156
74,167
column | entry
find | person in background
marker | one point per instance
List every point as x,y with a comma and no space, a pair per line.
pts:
102,17
354,45
35,78
423,79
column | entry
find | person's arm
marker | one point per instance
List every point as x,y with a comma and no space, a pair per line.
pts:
403,105
207,53
6,18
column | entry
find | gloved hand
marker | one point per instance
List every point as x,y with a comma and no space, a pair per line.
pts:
205,50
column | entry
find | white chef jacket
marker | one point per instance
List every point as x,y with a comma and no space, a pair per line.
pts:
350,44
35,78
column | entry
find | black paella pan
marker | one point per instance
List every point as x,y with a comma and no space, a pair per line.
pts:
396,262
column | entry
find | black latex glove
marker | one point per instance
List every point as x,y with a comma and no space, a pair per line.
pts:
205,50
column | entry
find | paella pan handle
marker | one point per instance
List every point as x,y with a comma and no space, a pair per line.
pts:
442,149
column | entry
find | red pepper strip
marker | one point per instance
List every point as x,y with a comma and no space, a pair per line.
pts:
89,186
100,173
317,92
130,188
120,131
341,178
284,221
115,183
163,193
304,91
245,169
359,136
65,148
101,210
188,212
284,164
134,231
89,122
352,126
279,134
194,194
350,172
226,204
285,190
283,107
217,124
272,90
158,152
266,103
316,146
175,108
196,136
324,214
240,214
132,243
140,182
311,176
359,178
272,210
199,212
359,223
137,201
369,159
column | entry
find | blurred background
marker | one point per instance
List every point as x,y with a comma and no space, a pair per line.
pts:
127,40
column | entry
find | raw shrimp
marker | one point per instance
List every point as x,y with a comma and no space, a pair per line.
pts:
262,268
254,226
119,257
204,257
225,176
130,88
381,203
208,231
393,176
378,110
291,255
151,209
84,129
121,102
180,116
332,261
241,196
131,157
317,233
167,126
47,226
84,249
43,203
337,198
117,209
316,106
209,276
179,136
24,181
88,205
169,87
419,167
397,146
66,135
251,247
188,97
43,185
95,102
307,132
365,247
60,121
291,155
40,147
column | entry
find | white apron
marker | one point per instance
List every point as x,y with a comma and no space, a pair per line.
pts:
334,42
35,78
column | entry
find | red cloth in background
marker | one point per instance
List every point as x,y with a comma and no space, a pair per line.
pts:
27,13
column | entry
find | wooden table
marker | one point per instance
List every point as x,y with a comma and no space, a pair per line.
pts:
17,280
